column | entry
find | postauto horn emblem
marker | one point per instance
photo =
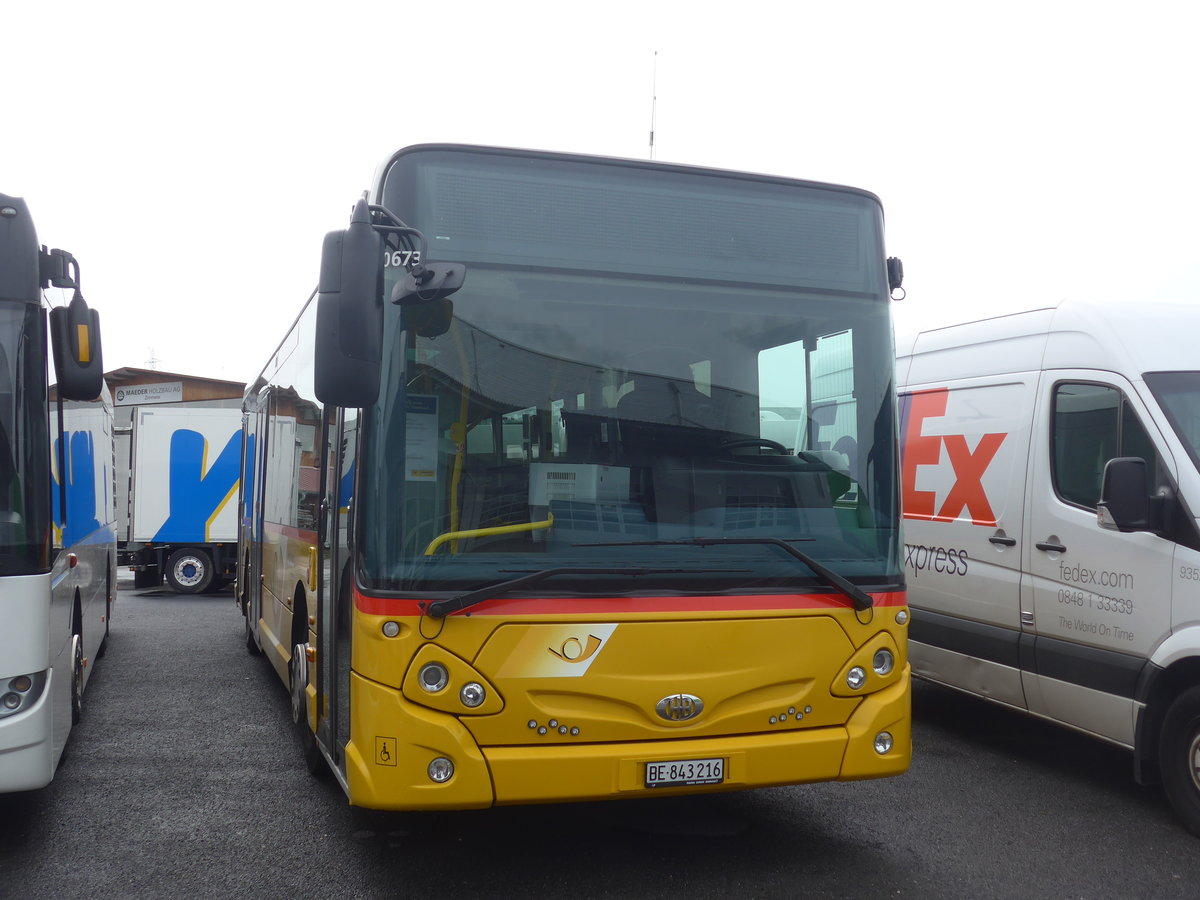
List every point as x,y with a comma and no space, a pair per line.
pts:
679,707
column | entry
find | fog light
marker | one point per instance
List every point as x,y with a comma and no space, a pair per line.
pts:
433,677
441,769
472,694
856,678
391,629
883,742
11,701
902,617
21,683
883,662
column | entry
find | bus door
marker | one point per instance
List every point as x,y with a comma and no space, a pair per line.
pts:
256,443
334,593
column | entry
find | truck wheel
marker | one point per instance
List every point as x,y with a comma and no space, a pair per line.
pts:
189,571
1179,757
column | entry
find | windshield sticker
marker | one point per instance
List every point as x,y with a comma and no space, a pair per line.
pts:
420,437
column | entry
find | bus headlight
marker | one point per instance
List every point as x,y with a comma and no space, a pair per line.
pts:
472,694
883,742
856,678
433,677
883,662
20,692
441,770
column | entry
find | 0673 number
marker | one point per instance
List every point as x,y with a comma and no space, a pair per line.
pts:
401,259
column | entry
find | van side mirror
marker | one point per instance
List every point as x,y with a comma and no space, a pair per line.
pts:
350,314
75,348
1124,495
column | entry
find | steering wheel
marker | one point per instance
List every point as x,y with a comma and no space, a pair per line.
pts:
755,442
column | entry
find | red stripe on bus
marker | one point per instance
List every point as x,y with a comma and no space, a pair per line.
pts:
287,531
592,606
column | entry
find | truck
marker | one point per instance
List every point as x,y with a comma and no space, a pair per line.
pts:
1051,485
178,473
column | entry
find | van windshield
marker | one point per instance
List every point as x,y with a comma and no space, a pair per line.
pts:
1178,393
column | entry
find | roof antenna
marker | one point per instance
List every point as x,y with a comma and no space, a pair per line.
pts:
653,102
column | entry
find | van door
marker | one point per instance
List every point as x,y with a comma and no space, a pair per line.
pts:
1098,600
965,451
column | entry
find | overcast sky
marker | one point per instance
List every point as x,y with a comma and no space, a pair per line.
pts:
192,156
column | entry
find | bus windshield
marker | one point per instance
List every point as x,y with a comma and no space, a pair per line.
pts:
24,467
637,364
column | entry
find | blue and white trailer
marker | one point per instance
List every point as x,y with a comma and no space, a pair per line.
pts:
178,504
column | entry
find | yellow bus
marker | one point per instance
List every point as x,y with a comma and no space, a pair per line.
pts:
576,478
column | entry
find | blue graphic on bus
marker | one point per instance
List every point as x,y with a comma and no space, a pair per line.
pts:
194,497
248,479
80,478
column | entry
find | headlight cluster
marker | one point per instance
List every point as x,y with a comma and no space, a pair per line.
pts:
20,692
882,663
442,681
873,667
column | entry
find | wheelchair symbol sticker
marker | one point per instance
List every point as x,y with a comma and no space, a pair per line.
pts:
385,751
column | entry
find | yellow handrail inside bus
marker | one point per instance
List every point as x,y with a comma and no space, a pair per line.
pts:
484,532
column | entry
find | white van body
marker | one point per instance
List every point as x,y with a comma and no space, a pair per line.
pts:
1019,594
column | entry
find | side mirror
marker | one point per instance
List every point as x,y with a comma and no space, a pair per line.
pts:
75,347
350,314
1124,495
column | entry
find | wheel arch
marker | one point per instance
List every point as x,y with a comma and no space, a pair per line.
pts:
1158,690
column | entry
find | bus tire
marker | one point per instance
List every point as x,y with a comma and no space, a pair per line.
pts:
108,605
298,682
189,571
1179,757
76,678
251,644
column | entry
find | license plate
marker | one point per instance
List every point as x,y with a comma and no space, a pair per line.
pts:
680,772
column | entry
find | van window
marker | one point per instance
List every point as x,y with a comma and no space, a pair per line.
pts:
1094,423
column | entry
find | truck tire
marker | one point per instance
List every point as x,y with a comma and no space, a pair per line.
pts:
1179,757
189,571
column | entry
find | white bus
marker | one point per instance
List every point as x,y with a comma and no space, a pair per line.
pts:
57,534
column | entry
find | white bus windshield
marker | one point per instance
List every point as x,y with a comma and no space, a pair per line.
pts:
24,472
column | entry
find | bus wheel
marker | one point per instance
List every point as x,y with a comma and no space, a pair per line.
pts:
76,678
251,643
1179,757
189,571
298,678
108,605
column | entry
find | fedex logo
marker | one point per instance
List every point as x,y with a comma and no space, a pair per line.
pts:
921,451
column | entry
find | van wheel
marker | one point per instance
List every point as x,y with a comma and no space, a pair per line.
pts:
189,571
298,678
1179,757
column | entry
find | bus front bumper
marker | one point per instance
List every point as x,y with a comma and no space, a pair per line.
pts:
393,772
26,749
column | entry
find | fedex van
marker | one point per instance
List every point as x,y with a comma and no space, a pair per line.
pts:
1051,486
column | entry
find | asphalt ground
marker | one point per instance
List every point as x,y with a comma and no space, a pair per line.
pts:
183,780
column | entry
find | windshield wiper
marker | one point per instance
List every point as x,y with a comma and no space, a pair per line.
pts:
862,600
441,608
